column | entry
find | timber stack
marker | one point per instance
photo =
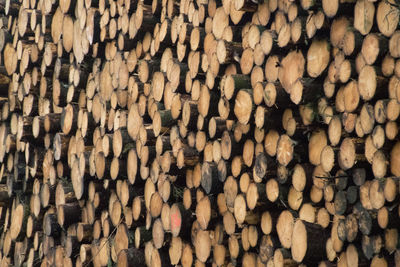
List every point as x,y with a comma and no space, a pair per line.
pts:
199,133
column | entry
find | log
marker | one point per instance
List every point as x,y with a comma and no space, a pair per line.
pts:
199,133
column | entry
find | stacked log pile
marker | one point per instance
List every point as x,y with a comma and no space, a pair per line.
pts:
205,133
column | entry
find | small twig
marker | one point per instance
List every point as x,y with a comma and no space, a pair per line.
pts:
108,240
283,203
332,177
